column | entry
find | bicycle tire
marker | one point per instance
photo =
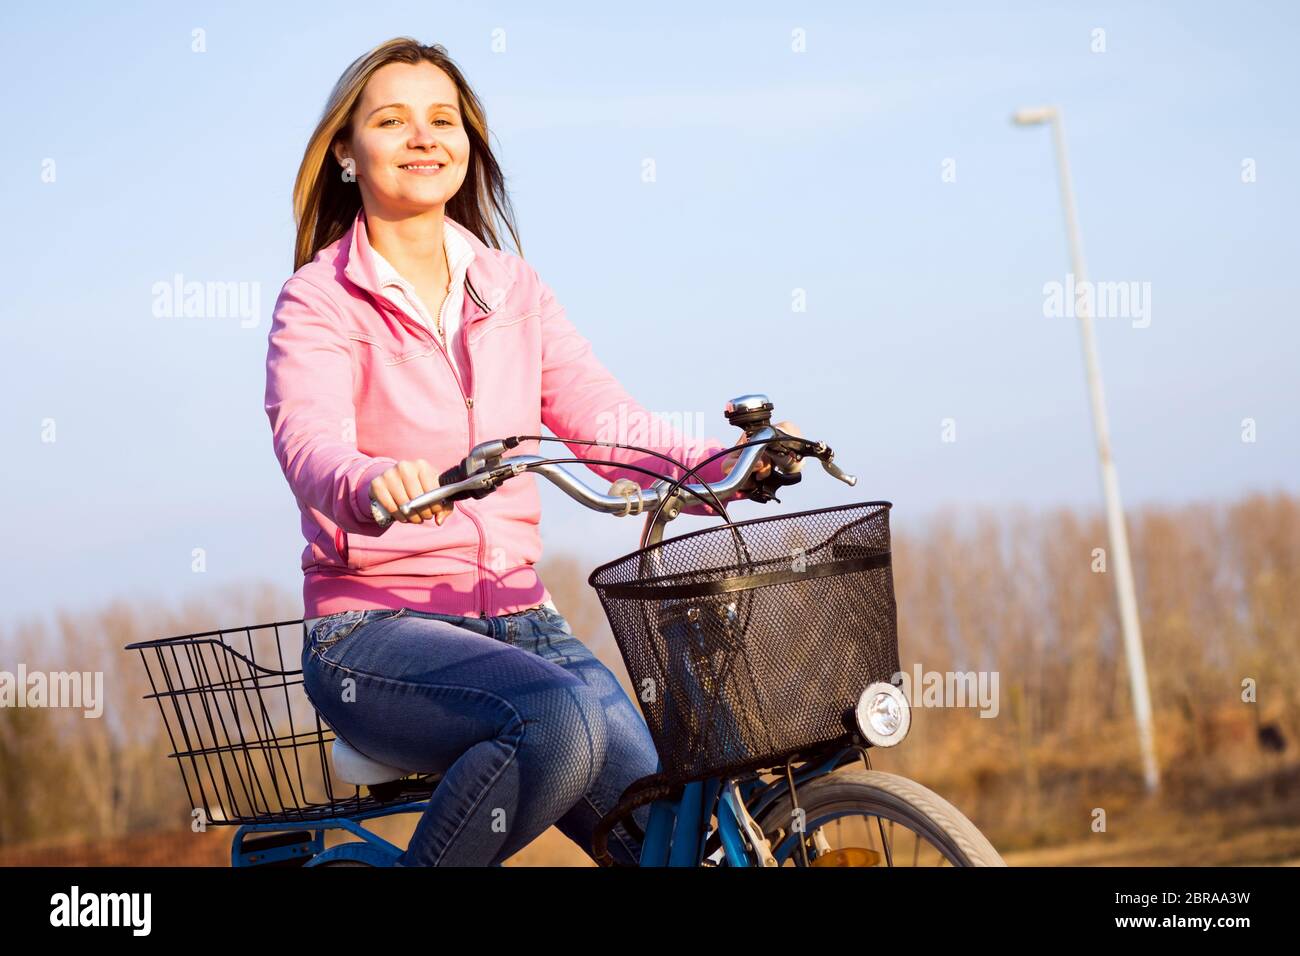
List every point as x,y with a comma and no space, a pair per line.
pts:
886,795
344,863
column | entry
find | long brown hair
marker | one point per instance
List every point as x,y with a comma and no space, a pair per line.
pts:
324,204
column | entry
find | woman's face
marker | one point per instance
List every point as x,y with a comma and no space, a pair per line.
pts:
408,114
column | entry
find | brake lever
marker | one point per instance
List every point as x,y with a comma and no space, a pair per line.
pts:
482,458
822,452
765,488
835,471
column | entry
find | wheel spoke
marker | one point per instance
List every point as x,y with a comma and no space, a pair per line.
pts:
889,859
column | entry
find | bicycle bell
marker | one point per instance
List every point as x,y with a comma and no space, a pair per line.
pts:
753,413
750,412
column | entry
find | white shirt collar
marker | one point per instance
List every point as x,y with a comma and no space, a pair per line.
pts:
459,256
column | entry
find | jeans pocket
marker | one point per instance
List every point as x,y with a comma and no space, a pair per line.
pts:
555,619
336,627
333,628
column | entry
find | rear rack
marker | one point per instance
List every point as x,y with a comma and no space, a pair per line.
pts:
249,744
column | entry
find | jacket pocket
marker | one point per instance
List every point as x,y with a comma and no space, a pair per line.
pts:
397,358
390,353
426,548
321,553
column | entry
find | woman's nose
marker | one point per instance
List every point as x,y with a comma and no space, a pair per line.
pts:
423,134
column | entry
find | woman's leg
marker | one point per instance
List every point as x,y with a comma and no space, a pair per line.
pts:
519,739
629,752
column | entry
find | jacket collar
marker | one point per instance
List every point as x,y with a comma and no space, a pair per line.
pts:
486,281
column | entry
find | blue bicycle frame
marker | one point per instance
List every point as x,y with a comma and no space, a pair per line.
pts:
675,836
679,829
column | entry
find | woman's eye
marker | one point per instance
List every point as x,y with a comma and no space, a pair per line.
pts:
394,119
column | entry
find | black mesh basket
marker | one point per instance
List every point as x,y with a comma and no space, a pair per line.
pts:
751,642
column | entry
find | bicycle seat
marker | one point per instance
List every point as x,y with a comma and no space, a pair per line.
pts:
352,766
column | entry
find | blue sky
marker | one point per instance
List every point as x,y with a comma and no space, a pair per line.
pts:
776,171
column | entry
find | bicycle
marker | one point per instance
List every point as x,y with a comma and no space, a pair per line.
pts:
732,698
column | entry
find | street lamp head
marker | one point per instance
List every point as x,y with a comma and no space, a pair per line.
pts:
1034,116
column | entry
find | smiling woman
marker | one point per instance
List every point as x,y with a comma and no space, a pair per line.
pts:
407,331
399,84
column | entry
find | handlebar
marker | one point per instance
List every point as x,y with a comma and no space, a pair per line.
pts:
484,470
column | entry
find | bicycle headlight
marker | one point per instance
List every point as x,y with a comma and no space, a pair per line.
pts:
883,714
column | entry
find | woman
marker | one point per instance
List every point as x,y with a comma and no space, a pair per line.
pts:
405,336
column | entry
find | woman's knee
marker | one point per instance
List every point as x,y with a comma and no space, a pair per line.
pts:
566,738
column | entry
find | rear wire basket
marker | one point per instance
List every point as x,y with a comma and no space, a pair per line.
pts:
750,642
250,746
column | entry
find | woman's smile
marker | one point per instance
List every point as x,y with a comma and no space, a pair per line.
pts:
422,168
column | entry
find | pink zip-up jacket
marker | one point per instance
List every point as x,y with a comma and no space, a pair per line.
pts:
353,385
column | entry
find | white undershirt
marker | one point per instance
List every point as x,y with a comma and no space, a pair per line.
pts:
402,294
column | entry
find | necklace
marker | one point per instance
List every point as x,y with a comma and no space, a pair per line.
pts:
446,292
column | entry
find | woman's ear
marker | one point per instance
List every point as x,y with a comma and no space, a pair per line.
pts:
346,163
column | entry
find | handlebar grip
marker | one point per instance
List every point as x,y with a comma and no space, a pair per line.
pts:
383,518
380,513
452,475
458,473
449,477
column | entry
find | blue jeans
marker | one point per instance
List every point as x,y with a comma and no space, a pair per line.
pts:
527,727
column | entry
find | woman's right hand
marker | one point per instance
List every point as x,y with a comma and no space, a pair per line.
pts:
404,482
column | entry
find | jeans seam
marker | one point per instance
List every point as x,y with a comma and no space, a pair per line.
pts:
464,820
614,829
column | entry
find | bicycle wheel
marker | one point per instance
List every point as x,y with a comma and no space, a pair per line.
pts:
344,863
856,817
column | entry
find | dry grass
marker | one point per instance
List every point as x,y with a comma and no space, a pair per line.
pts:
1219,589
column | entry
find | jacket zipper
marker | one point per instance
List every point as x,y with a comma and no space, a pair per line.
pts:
469,404
469,415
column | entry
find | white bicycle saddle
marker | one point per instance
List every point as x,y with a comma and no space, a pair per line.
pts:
354,767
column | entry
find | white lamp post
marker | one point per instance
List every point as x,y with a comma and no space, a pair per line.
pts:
1122,566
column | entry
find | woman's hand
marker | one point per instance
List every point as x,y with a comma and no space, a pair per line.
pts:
763,467
404,482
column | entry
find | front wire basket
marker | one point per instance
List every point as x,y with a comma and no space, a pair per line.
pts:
750,642
249,743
